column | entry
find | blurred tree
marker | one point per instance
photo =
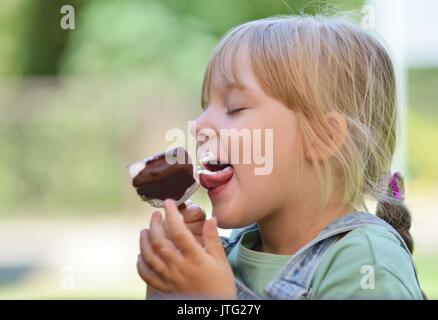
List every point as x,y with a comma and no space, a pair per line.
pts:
8,39
127,33
220,16
169,38
42,41
138,37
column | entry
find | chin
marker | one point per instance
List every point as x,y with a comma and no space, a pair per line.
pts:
223,218
227,218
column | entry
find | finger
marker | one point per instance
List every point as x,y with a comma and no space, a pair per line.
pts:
160,243
199,240
212,242
177,232
154,294
149,276
196,227
185,204
152,260
193,213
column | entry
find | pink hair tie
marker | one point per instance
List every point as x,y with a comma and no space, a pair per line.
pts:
394,186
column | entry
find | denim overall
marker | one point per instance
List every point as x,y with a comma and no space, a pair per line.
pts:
296,276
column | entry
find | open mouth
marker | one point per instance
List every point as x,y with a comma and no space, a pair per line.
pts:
215,174
214,167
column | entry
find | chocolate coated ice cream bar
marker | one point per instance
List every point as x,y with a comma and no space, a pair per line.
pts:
165,175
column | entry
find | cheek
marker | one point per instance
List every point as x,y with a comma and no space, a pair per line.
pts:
273,191
287,164
255,196
287,153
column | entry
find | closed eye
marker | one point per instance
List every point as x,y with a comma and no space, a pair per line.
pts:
235,110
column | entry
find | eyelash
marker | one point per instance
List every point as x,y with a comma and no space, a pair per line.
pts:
232,111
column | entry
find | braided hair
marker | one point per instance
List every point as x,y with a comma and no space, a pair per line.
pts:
394,211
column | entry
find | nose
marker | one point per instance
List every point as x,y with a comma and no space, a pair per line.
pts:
204,130
203,125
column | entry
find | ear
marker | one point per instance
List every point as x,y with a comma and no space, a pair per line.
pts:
328,139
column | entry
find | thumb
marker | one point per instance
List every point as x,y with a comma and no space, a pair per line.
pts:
212,242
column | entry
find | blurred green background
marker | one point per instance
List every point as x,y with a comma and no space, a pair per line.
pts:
77,106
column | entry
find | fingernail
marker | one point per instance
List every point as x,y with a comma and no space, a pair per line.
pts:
156,215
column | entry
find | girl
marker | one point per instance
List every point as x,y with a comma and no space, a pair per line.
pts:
327,89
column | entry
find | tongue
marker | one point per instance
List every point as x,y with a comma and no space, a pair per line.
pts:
216,179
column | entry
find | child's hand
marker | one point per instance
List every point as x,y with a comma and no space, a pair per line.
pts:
172,261
194,219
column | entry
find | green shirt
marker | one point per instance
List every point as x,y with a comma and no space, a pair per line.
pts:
367,263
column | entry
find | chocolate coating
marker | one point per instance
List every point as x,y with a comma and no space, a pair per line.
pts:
161,180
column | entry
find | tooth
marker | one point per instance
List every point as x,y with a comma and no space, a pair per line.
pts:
206,156
210,173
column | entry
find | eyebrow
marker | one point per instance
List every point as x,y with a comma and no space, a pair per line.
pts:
236,85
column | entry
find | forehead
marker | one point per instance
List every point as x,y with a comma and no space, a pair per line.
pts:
233,72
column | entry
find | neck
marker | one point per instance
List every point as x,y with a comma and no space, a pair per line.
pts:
286,231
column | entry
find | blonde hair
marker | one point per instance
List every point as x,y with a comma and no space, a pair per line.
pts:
316,64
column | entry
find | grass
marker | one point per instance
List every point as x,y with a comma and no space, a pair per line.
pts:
427,267
422,130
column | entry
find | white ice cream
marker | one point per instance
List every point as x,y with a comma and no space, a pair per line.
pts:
135,168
